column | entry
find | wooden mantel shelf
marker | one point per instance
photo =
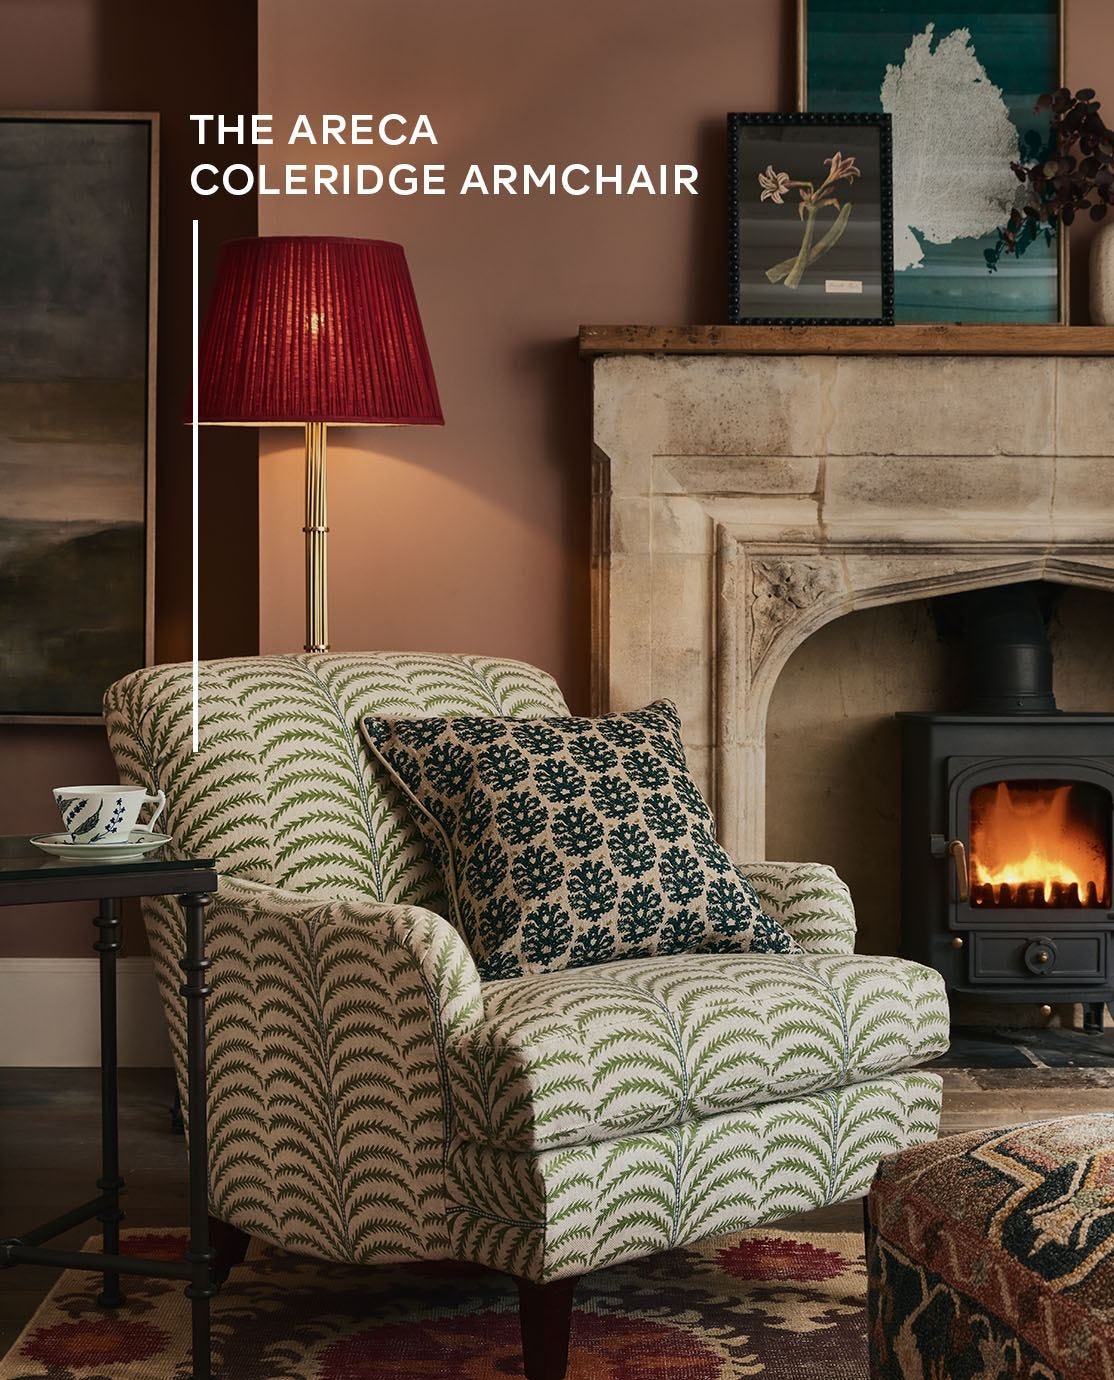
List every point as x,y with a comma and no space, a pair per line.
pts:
847,340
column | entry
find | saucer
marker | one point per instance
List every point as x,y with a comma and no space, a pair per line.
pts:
138,842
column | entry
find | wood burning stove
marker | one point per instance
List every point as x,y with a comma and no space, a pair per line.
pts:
1008,822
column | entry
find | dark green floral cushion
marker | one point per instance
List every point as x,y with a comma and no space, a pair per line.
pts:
565,842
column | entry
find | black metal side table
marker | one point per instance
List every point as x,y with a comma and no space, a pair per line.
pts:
29,877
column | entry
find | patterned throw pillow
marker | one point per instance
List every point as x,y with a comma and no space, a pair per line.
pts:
565,842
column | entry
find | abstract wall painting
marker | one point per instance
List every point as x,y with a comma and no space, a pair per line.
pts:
810,220
959,80
77,298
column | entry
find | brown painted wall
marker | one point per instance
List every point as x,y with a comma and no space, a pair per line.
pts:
474,538
132,55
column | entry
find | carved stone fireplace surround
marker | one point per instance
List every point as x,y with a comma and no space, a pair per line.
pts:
743,499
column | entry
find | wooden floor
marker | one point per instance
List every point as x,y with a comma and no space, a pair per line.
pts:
50,1143
49,1158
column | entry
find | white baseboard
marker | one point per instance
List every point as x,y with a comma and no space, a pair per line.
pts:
50,1014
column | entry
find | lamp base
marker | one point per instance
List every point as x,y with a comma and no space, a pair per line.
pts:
317,532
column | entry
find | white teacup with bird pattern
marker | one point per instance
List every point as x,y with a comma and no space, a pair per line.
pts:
104,814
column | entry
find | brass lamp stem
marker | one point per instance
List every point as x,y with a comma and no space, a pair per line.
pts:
316,530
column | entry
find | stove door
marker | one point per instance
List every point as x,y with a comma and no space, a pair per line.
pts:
1030,844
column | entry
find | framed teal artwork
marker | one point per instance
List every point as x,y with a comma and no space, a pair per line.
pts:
959,80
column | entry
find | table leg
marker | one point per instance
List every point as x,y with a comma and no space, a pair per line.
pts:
110,1183
202,1287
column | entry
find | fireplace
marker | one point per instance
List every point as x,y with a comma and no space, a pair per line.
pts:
1007,817
753,485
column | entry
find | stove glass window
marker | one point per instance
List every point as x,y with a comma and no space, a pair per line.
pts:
1040,844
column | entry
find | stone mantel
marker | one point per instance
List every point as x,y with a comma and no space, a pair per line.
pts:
743,500
847,340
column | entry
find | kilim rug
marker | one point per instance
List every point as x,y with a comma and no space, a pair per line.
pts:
779,1305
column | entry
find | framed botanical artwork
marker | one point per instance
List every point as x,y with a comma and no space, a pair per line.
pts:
810,220
78,215
959,82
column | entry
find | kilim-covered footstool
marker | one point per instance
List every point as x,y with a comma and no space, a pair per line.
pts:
991,1255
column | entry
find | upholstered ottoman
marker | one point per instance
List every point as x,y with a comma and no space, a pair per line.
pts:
991,1254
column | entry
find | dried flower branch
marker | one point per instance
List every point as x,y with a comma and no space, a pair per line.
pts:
1072,173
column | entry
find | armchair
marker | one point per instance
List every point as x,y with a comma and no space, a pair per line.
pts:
372,1101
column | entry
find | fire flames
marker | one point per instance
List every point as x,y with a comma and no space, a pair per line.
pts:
1030,846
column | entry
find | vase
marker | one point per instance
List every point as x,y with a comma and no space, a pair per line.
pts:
1101,276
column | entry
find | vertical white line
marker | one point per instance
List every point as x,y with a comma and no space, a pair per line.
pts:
196,506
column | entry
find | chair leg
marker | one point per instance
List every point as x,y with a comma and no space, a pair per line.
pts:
230,1245
545,1311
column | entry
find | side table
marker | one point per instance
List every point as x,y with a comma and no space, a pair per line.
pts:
29,877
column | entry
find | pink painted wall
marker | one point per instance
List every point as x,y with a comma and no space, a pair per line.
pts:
474,537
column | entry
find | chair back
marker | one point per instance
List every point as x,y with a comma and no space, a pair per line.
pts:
281,790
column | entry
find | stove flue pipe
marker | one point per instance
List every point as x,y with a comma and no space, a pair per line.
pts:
1009,659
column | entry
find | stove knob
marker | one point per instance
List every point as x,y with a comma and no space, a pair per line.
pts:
958,942
1040,956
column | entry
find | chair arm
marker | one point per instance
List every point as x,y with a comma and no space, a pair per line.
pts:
810,900
329,1097
378,937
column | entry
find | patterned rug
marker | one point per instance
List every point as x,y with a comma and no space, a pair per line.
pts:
775,1304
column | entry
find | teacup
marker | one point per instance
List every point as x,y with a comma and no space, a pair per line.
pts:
104,814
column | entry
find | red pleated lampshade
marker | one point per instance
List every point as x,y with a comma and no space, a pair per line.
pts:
308,329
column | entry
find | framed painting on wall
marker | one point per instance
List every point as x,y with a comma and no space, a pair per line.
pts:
78,217
810,220
959,79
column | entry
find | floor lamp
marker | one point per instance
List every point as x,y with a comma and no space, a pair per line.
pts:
315,332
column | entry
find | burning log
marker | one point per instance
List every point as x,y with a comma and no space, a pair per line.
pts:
1036,895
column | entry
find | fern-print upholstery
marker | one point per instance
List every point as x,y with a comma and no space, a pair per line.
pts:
645,1044
372,1100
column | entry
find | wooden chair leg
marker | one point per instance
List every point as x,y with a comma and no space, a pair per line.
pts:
231,1246
545,1311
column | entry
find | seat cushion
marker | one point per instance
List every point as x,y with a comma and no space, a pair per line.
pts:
568,1058
567,842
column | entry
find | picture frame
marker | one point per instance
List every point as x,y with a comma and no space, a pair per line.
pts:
79,237
1012,53
797,253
